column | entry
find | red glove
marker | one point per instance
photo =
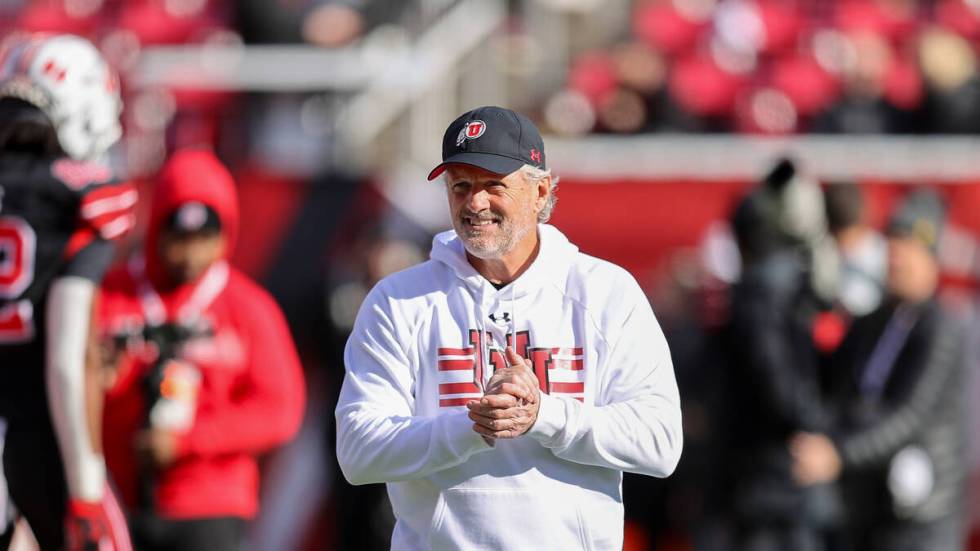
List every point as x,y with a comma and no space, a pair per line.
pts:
89,526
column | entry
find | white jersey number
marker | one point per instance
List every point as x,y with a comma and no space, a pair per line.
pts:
17,247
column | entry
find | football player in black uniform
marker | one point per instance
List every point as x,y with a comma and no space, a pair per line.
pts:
60,209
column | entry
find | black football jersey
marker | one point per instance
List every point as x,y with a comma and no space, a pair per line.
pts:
58,217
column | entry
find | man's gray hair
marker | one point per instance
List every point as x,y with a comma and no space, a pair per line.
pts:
534,175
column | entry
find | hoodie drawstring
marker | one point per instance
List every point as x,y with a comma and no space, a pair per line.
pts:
481,341
487,338
513,311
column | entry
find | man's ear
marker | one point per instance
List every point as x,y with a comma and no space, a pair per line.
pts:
544,188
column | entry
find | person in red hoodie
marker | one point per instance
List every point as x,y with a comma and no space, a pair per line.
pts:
206,373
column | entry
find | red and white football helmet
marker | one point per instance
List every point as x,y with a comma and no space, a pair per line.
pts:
66,77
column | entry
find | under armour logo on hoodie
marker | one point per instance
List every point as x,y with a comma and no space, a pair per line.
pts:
505,317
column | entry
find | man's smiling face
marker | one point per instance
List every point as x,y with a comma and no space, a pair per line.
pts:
492,213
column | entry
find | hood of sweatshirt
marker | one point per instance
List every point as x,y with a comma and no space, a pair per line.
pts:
190,175
550,268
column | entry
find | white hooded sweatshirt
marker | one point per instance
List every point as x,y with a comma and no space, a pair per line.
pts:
609,401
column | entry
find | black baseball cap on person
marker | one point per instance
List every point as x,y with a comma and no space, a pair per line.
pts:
492,138
921,215
193,217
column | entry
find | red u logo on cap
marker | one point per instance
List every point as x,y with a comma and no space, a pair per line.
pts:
475,129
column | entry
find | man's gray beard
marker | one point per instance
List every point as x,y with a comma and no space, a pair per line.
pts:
483,253
507,244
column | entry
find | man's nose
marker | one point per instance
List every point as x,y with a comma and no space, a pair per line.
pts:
478,200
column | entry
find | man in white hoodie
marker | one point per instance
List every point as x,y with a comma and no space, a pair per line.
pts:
501,388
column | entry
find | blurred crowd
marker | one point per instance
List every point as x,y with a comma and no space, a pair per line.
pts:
771,67
186,103
780,67
827,372
122,27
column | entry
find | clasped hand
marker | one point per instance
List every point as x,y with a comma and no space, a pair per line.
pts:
510,403
815,458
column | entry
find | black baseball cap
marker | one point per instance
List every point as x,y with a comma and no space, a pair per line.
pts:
921,215
193,217
492,138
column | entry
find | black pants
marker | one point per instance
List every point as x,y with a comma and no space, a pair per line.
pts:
36,479
780,537
152,533
945,534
